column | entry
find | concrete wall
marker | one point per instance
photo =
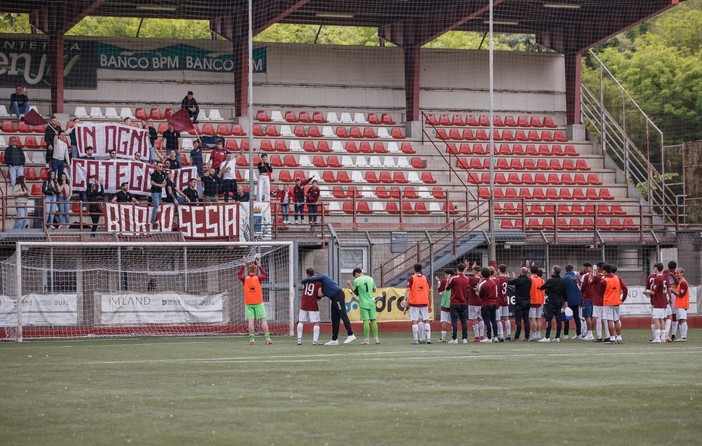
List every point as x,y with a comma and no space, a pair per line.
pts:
366,78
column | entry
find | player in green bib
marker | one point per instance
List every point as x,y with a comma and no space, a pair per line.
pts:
364,286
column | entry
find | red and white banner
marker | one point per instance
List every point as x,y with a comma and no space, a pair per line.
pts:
105,136
216,220
125,217
115,172
161,308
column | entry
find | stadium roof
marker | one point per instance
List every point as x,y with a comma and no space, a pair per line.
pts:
564,25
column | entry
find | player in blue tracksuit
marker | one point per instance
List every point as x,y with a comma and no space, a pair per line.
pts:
333,291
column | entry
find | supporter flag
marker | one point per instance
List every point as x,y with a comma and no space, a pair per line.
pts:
34,118
181,121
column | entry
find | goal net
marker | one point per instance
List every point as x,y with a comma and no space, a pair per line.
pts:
140,289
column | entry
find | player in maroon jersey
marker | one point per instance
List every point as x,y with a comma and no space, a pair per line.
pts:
309,310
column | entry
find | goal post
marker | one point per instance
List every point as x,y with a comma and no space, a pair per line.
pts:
150,288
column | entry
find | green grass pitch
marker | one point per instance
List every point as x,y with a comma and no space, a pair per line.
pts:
221,391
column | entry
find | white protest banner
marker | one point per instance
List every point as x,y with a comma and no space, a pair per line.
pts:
114,172
127,217
105,136
40,310
209,220
161,308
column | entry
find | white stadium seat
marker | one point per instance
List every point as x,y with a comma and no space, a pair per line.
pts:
215,116
346,118
331,118
126,112
295,146
111,113
361,161
81,112
360,118
276,115
3,112
96,112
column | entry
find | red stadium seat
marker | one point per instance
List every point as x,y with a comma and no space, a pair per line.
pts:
581,164
373,119
431,119
483,121
391,208
290,116
318,161
231,145
457,120
399,177
355,133
328,176
544,150
140,113
497,121
509,121
553,179
379,147
406,148
155,114
471,121
605,195
534,121
468,135
300,131
365,147
591,194
548,122
305,117
29,173
262,116
351,147
238,130
557,150
333,161
444,120
308,146
593,179
570,150
352,192
428,178
36,190
438,193
381,192
281,146
533,135
452,149
386,119
547,136
323,146
522,121
385,177
341,132
290,161
266,145
418,163
257,130
277,161
531,150
318,117
285,177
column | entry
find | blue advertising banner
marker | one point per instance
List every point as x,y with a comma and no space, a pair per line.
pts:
179,57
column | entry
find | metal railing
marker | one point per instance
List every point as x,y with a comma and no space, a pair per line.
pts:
630,138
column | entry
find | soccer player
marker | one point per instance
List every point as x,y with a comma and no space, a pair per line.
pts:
536,303
656,289
503,305
682,303
614,292
418,303
474,304
586,289
309,309
598,303
253,298
487,292
671,321
364,286
445,303
338,306
459,287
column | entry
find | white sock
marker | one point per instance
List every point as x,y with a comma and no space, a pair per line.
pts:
674,328
476,332
443,334
683,329
653,330
668,324
598,327
500,330
606,329
315,333
420,332
482,328
299,330
415,332
427,330
508,328
658,334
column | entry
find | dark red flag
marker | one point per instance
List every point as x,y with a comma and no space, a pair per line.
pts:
34,118
181,121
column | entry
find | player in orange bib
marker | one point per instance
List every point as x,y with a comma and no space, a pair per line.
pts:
253,298
418,302
682,302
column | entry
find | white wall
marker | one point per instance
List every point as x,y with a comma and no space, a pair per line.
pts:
317,76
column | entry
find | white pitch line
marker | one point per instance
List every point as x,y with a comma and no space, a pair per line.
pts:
387,355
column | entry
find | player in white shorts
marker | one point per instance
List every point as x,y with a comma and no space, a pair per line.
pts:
309,310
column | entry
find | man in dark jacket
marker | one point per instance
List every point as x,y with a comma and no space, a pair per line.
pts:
15,160
189,104
522,287
574,298
555,288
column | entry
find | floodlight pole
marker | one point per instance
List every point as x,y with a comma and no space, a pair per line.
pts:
491,211
250,123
